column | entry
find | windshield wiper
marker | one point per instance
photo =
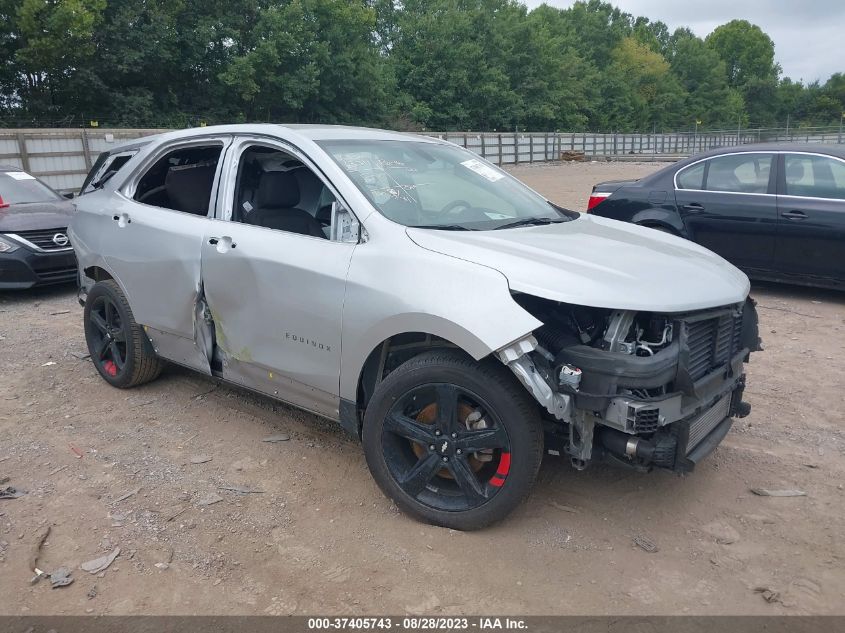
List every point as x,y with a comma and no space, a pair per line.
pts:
530,222
442,227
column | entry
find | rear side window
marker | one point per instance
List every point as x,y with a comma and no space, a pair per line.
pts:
18,187
814,176
107,165
691,177
739,173
181,180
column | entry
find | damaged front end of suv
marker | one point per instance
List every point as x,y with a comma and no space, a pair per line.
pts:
643,389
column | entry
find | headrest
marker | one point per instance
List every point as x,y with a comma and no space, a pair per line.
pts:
277,189
189,187
794,171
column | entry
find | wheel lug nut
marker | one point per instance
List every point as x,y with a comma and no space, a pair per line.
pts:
460,452
454,435
437,432
431,447
445,459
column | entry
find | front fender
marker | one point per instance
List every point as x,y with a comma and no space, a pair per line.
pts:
411,289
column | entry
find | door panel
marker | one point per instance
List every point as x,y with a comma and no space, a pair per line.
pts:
811,225
277,301
154,250
155,255
733,214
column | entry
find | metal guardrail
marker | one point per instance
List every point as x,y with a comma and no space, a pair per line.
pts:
62,157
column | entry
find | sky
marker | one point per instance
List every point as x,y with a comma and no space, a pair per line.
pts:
807,34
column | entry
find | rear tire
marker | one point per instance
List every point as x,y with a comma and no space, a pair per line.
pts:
119,348
453,442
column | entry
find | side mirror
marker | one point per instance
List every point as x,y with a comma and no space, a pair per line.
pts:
345,226
69,195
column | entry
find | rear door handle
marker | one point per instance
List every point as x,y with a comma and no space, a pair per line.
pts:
794,215
693,207
223,243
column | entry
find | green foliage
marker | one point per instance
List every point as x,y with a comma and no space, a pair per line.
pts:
407,64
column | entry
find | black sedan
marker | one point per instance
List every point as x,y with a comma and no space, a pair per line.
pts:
775,211
34,247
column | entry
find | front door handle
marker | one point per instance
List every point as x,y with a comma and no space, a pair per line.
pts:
794,215
122,219
223,243
693,207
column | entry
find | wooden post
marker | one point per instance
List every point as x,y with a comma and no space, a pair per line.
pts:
516,148
500,149
86,149
22,151
483,155
530,148
546,147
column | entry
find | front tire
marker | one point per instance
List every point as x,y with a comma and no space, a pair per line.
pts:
453,442
118,346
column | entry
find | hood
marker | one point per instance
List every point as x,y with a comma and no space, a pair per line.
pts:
597,262
35,216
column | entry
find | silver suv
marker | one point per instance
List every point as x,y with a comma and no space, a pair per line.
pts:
441,311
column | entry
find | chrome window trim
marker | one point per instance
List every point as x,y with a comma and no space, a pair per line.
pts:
742,193
701,160
25,242
811,198
786,195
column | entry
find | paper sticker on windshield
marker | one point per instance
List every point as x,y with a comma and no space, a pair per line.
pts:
482,170
20,175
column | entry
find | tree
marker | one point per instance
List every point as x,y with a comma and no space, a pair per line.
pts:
747,51
653,95
703,76
53,42
312,60
749,56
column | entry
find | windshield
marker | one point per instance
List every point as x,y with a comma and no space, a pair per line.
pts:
18,187
423,184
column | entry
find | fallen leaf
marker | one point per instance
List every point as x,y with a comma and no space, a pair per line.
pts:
100,564
764,492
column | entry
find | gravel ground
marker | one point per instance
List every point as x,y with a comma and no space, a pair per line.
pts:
106,468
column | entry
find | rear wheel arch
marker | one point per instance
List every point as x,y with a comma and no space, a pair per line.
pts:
660,219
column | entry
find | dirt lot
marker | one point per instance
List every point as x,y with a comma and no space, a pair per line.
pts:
321,538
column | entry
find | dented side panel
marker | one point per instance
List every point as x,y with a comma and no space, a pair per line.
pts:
276,301
154,255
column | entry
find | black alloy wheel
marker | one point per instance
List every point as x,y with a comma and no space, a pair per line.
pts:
453,441
119,347
437,456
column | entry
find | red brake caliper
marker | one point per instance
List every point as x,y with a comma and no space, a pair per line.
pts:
498,479
111,370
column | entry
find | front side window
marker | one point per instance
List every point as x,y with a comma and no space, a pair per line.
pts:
278,191
423,184
181,180
814,176
739,173
18,187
